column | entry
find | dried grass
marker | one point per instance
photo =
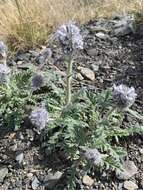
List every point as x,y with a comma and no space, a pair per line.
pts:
26,23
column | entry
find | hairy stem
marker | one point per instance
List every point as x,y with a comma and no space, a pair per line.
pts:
69,80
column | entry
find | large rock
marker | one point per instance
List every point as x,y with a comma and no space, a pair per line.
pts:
87,73
129,170
124,25
3,173
130,185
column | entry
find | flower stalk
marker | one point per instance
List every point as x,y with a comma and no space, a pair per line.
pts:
69,81
70,40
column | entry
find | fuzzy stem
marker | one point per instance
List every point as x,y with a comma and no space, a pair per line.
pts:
69,80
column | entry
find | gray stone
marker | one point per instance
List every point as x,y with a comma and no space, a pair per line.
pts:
141,150
3,173
22,57
130,185
92,52
79,76
20,136
52,179
18,183
19,158
30,175
19,62
102,36
95,67
13,147
87,73
124,25
122,31
129,170
120,186
35,183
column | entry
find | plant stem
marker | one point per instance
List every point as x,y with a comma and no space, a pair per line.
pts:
69,80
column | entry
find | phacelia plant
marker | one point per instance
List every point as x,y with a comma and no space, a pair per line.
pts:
70,40
88,130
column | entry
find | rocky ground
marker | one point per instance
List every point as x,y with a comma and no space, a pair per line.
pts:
113,53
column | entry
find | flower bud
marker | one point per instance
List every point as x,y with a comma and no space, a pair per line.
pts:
37,81
124,96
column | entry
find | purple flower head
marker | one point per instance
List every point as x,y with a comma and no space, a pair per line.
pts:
93,155
124,96
69,36
3,51
4,74
37,81
39,117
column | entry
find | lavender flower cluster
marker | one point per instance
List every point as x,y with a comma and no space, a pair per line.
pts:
39,117
3,52
124,96
4,69
93,155
4,74
37,81
69,37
